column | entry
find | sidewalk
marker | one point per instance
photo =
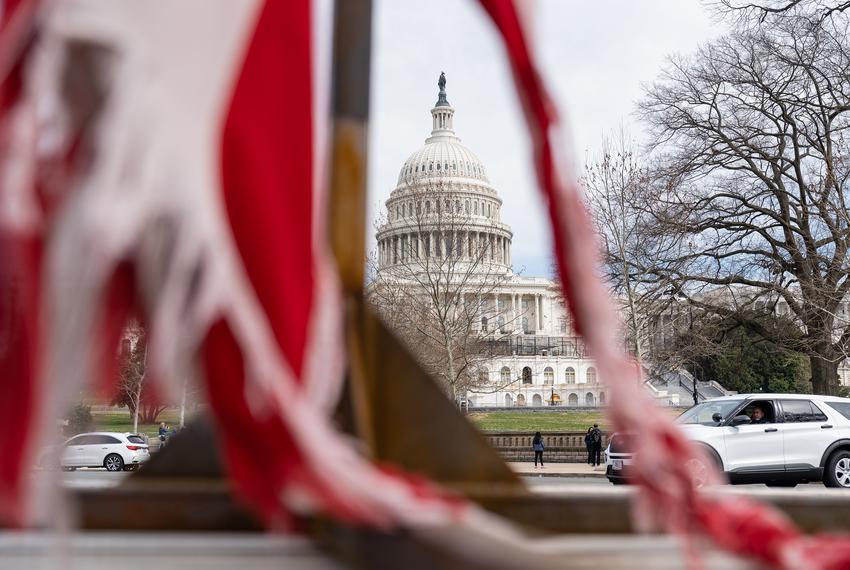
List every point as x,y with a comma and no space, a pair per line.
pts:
558,470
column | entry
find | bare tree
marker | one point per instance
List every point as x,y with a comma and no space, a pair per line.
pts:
751,139
132,379
436,288
616,182
767,11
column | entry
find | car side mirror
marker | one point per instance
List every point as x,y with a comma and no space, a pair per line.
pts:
717,418
739,420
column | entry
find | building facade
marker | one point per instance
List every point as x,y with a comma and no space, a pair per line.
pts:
533,358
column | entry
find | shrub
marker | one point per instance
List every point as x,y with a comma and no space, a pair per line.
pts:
79,419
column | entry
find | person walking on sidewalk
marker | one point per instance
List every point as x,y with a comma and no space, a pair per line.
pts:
538,447
588,443
596,439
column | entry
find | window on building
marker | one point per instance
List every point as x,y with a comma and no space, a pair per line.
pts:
509,402
591,375
466,206
563,323
589,400
526,375
483,324
548,376
572,400
483,375
505,375
520,400
570,375
525,328
476,208
427,206
536,401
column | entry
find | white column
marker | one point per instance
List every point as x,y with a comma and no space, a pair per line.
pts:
513,326
543,318
539,306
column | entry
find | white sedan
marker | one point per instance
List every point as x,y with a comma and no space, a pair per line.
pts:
111,450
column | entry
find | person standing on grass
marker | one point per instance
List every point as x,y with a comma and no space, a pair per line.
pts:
596,438
588,444
538,447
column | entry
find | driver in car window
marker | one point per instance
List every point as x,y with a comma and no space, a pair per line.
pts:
758,416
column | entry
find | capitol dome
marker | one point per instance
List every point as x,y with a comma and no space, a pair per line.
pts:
444,178
442,155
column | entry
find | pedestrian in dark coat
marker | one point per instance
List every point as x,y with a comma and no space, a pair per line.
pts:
596,438
588,443
538,447
163,433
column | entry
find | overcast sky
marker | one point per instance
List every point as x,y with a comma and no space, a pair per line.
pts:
595,56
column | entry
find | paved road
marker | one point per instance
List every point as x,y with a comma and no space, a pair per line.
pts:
82,478
100,478
559,484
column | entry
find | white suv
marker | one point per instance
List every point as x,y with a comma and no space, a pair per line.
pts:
800,438
111,450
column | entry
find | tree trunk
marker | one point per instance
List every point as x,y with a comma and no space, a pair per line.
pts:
183,405
824,375
451,371
137,398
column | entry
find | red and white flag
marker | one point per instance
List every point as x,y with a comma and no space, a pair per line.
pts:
160,161
158,158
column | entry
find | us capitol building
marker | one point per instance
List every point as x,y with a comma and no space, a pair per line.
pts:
538,360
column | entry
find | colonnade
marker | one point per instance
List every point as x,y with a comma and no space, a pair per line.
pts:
512,317
399,248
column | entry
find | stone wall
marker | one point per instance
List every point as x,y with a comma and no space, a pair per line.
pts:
561,447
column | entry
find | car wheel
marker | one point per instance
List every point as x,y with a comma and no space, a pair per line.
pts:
781,484
113,462
837,472
698,471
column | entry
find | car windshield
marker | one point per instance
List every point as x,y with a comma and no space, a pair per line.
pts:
704,413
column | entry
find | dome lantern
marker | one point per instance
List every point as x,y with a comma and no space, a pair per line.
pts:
442,115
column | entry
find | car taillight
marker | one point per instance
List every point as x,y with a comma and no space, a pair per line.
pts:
134,447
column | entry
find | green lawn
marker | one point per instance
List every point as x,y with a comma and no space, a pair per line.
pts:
545,420
537,421
120,420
